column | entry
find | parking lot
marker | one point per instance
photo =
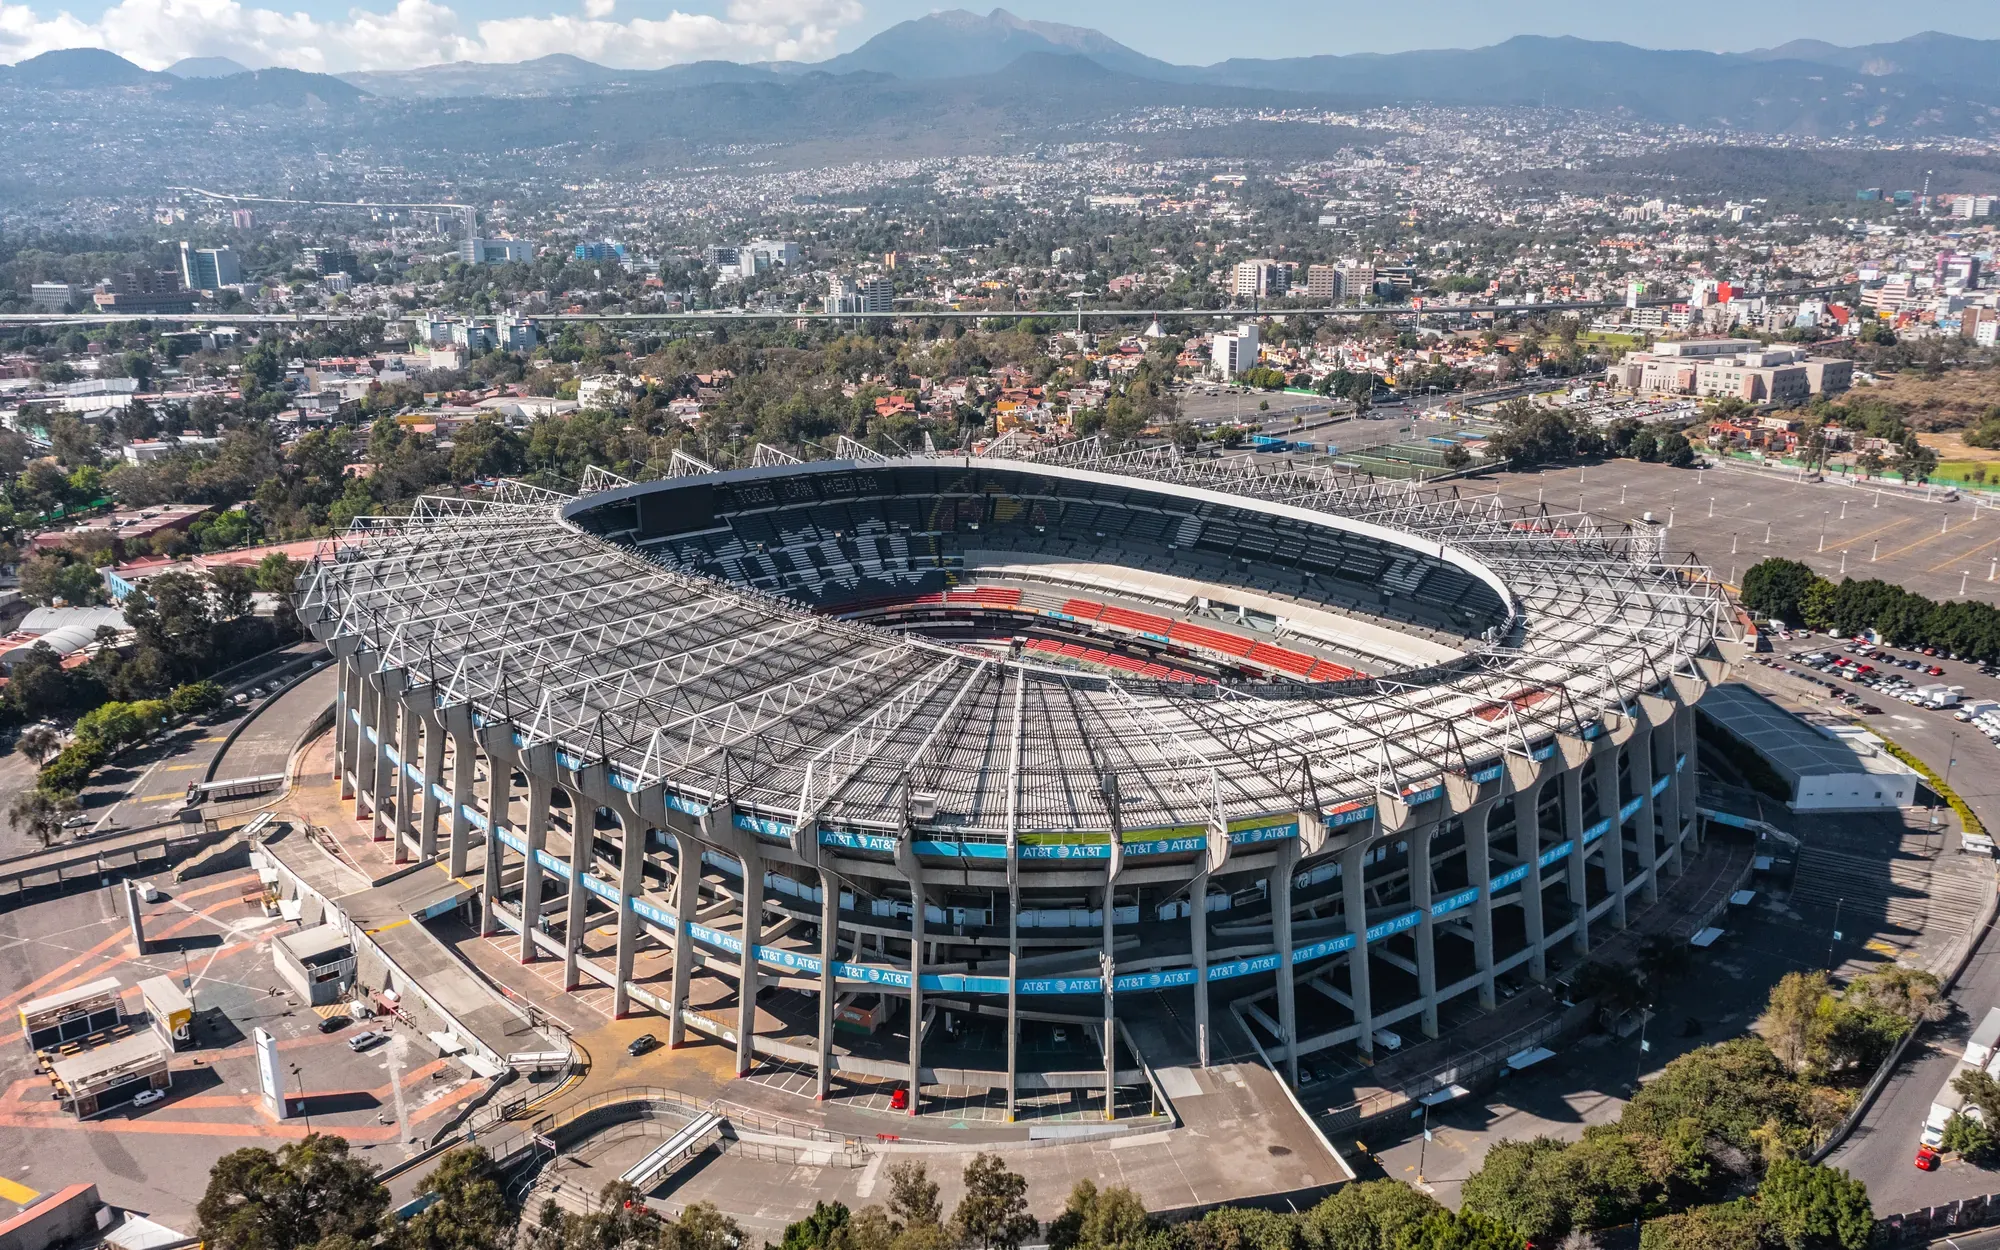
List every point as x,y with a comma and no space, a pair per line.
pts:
385,1100
1732,517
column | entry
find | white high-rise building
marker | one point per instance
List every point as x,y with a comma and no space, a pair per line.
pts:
1235,350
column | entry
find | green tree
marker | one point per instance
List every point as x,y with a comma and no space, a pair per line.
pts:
40,814
1530,1186
701,1226
234,587
71,768
1777,589
913,1195
195,698
993,1215
1366,1215
49,577
1811,1207
1100,1219
38,742
299,1196
1968,1136
1724,1226
278,573
471,1211
818,1230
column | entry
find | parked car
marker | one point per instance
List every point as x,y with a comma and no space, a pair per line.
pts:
147,1097
1927,1159
641,1044
362,1041
333,1024
899,1098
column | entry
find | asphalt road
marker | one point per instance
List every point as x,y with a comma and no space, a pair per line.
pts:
146,786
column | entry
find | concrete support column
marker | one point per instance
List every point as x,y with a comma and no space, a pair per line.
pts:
829,954
631,884
917,918
433,771
748,974
1013,979
1479,875
1354,900
1579,878
346,704
1281,935
404,830
687,899
1613,841
368,698
499,798
464,759
1198,938
536,839
1422,891
1528,849
1680,813
1647,835
382,790
582,827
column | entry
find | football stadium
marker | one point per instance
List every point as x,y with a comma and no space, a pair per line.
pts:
923,761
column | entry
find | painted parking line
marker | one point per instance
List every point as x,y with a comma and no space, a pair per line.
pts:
17,1193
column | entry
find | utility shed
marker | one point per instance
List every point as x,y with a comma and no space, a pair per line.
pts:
1823,769
317,962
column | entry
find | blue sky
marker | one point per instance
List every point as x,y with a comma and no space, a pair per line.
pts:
381,34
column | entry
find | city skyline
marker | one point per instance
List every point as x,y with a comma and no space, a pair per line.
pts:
327,36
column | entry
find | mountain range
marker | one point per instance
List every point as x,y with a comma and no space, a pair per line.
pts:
212,81
1928,84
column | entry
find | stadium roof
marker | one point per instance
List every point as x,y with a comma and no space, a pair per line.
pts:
718,692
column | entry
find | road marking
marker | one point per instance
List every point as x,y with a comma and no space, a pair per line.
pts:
161,798
15,1192
394,924
180,768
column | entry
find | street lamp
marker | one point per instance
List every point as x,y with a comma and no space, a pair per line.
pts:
300,1078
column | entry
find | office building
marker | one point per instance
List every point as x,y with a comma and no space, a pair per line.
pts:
1233,351
1970,206
1261,279
208,268
773,252
496,251
333,259
1392,282
1956,271
515,334
604,250
1323,283
145,291
55,297
1739,368
723,256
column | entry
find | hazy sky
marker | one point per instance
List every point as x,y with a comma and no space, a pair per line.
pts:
374,34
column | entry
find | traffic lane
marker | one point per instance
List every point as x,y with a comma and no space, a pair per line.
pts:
1882,1148
266,744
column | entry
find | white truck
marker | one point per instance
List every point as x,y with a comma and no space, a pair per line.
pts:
1948,1103
1973,709
1985,1040
1939,695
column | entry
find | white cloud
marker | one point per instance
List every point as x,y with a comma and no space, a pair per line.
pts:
156,33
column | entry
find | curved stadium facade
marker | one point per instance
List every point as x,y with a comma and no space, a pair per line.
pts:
1023,740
